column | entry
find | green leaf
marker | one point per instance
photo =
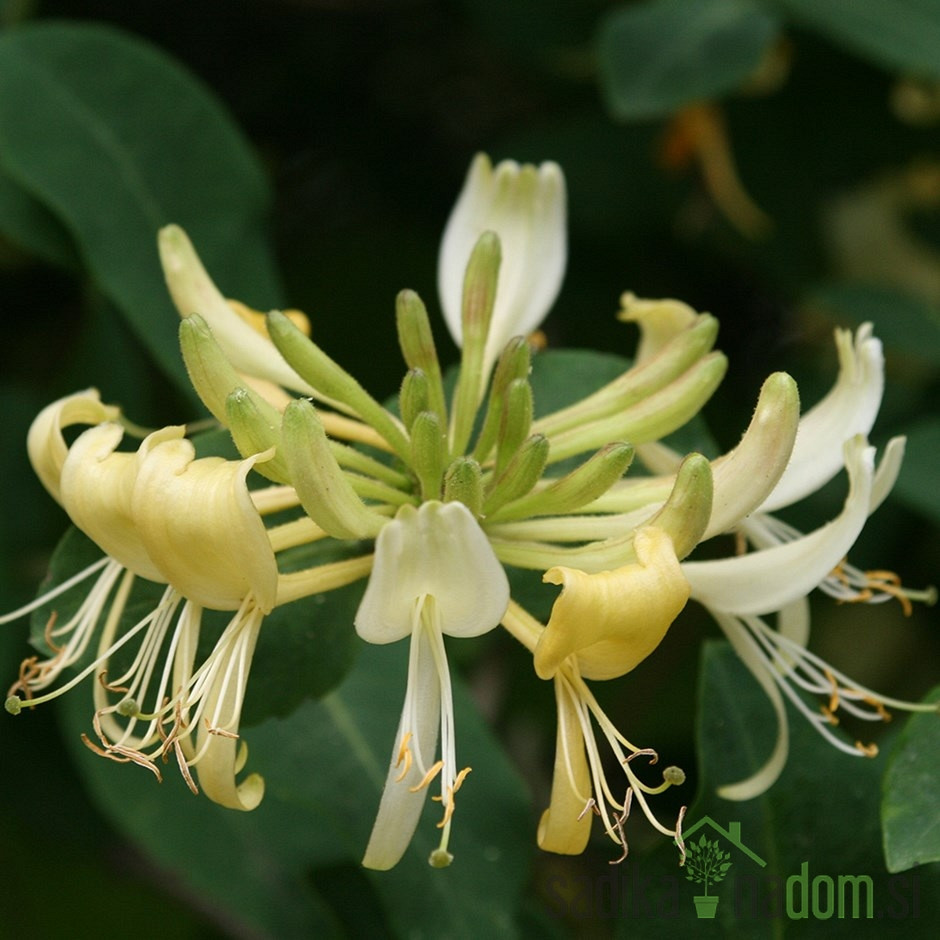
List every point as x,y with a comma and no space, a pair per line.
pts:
34,228
658,55
324,768
114,139
910,810
899,34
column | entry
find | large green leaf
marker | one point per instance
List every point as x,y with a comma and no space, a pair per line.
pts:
910,812
33,227
658,55
324,769
901,34
114,140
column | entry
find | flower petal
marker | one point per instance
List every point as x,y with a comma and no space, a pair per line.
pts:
526,207
193,291
767,580
850,408
199,525
565,826
613,620
97,486
400,806
220,752
46,445
439,550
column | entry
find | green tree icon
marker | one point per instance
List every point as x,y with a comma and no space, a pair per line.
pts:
706,864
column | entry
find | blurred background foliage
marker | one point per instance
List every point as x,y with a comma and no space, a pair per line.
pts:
776,162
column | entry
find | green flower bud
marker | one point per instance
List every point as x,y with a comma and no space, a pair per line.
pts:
463,482
515,422
479,295
429,452
514,363
255,429
417,346
325,493
684,516
413,396
333,383
574,490
520,475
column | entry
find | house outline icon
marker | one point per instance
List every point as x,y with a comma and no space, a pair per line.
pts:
732,834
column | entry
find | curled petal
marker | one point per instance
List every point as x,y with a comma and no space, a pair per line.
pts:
220,754
660,321
744,477
526,207
613,620
565,826
199,525
767,580
193,291
765,777
97,490
849,408
46,445
436,550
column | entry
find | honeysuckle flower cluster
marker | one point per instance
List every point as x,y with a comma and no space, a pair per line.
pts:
440,497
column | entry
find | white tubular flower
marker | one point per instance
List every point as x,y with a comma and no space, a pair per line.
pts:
526,207
776,579
765,581
850,408
434,574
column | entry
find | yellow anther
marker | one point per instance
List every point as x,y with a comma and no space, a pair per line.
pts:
869,750
833,697
829,715
257,320
461,777
428,777
404,754
448,807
